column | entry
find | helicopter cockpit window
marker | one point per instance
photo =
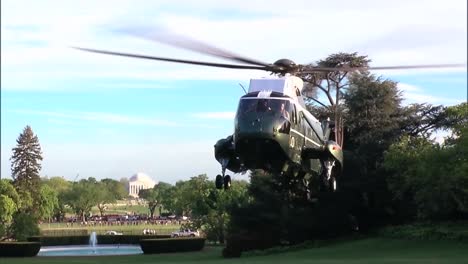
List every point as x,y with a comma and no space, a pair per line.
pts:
264,105
281,108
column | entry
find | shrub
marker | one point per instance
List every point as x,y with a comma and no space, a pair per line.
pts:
24,225
60,240
155,246
126,239
248,242
19,249
84,239
231,252
427,231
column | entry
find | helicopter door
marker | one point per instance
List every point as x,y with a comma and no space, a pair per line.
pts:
297,136
300,128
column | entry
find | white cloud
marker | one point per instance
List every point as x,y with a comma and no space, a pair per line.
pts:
400,32
408,87
415,94
101,117
440,136
215,115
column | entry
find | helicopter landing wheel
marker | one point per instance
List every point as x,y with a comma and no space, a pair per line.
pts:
227,182
219,182
329,185
332,184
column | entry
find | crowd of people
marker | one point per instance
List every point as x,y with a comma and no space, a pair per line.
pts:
124,220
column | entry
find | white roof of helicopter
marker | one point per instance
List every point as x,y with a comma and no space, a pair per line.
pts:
287,85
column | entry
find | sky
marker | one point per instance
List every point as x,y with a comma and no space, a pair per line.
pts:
111,117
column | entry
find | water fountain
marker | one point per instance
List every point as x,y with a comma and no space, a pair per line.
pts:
93,241
91,249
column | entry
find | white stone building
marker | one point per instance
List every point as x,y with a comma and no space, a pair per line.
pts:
139,182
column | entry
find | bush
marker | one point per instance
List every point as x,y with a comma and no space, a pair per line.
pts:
19,249
60,240
126,239
24,225
155,246
232,252
426,231
84,240
245,242
64,232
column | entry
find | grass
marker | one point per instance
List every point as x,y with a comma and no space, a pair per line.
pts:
124,209
370,250
61,229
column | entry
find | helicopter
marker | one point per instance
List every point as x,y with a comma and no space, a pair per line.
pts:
273,130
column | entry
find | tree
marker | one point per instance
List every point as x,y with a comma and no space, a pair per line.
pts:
373,116
421,120
61,187
103,198
24,225
109,192
7,210
9,205
456,120
332,84
7,189
188,196
152,198
428,180
124,182
165,194
155,196
117,189
82,196
48,203
25,166
374,122
216,220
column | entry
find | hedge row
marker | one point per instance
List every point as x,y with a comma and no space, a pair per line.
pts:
84,240
155,246
427,232
19,249
238,243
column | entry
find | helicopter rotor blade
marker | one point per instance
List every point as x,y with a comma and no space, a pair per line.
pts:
193,45
220,65
349,69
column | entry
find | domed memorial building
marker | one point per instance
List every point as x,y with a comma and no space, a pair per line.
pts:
139,182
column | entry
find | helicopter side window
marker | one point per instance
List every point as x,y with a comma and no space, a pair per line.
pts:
284,109
298,92
294,115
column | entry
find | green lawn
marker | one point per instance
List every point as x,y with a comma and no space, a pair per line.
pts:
61,229
124,209
372,250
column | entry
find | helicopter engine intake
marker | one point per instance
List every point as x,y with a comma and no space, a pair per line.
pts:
226,155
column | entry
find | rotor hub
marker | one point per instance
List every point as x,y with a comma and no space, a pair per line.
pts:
285,65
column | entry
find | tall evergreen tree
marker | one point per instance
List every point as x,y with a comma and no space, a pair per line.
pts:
25,165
